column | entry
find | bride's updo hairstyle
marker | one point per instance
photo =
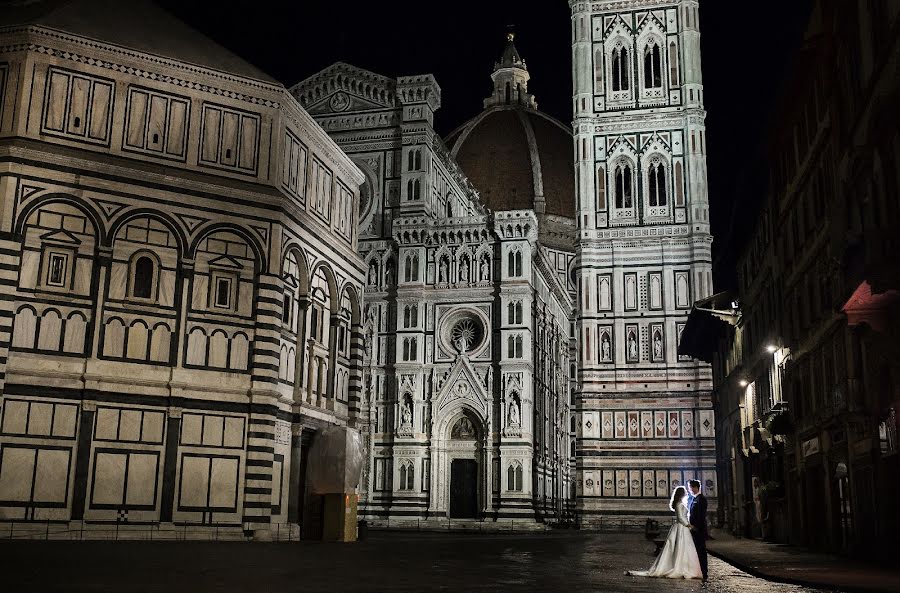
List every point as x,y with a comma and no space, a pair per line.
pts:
677,496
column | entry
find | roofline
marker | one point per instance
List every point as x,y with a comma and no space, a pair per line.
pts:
67,36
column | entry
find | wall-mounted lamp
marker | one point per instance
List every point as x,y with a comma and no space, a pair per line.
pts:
771,348
743,382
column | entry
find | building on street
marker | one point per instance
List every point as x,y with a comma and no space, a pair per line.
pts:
804,351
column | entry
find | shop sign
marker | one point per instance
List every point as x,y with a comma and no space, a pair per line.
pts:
810,447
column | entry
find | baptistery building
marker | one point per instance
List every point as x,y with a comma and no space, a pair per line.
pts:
181,285
468,245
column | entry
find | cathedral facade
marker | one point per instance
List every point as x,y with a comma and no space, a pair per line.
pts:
181,288
645,417
468,302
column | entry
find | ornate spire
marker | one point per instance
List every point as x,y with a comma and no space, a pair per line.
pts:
510,78
510,57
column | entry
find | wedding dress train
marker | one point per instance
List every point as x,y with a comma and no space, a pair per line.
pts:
678,559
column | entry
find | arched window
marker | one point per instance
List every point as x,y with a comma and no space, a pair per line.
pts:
409,187
143,278
511,478
673,65
415,268
511,347
620,69
623,186
601,189
410,162
418,160
449,207
511,268
518,263
417,195
652,66
511,314
598,71
656,180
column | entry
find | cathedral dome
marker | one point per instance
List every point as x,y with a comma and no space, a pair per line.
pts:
516,157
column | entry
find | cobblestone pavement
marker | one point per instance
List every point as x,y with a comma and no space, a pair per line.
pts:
398,563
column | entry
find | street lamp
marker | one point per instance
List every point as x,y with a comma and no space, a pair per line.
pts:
744,382
771,348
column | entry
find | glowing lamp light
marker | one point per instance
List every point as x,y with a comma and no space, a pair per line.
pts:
771,348
744,382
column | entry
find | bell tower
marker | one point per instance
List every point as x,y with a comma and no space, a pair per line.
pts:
645,421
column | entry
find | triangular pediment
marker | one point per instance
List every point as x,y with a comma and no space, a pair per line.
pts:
344,88
226,262
463,386
60,237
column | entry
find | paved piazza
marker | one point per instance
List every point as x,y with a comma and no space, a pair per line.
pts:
385,562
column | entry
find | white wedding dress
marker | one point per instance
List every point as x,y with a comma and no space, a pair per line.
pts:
678,559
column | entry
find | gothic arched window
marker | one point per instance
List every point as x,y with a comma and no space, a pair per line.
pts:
143,277
623,186
656,180
652,66
620,69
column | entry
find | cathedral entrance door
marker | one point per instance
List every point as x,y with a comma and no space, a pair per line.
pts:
463,489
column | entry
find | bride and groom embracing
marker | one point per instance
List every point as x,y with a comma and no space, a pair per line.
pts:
684,554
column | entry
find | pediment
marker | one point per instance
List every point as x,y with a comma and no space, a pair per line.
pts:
226,262
342,88
60,237
463,386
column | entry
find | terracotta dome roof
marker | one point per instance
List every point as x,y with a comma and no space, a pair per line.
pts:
518,159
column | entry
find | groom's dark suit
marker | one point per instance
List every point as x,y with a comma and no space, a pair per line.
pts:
700,532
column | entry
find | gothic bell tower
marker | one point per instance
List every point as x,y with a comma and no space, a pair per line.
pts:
645,422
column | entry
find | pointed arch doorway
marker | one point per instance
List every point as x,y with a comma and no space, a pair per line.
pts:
464,470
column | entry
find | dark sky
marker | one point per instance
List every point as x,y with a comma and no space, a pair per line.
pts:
743,56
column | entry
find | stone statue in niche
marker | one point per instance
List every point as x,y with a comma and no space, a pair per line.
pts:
605,348
485,272
406,415
389,274
373,274
514,419
657,346
632,347
463,429
464,270
443,271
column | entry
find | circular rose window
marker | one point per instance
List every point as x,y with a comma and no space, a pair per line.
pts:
463,331
466,334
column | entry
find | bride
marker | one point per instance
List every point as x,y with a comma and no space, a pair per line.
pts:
678,559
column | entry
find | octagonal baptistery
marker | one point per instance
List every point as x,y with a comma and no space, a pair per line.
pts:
517,157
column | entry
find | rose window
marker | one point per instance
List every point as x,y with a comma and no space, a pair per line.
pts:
466,334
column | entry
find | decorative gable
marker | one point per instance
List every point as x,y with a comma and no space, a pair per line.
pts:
463,386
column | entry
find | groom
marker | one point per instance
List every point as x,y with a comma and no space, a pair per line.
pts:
699,529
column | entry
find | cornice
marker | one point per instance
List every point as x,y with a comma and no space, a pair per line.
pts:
52,42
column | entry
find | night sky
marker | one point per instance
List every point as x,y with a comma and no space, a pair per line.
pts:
744,55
